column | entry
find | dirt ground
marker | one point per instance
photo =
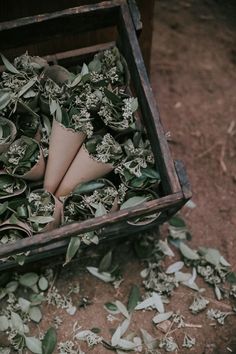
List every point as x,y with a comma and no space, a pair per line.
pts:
193,74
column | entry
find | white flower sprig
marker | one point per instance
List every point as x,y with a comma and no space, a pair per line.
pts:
104,149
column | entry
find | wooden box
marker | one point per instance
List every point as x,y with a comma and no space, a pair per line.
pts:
41,35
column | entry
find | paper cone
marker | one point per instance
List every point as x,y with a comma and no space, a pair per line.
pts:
57,73
7,225
56,215
18,192
63,146
4,147
83,169
37,171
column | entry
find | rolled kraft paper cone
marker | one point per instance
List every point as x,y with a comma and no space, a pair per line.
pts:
5,146
16,192
83,169
37,171
57,73
63,146
21,226
56,215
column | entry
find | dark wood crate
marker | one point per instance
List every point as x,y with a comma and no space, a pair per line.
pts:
22,34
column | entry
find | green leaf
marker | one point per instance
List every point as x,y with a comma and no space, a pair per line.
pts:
72,248
105,263
5,98
213,257
122,309
4,323
49,341
28,279
35,314
37,299
88,187
24,304
95,65
43,284
150,173
177,222
115,99
134,298
231,277
8,65
104,276
53,106
76,81
41,219
188,252
100,210
134,104
133,201
12,286
84,70
17,323
110,306
27,86
162,317
3,207
34,344
175,267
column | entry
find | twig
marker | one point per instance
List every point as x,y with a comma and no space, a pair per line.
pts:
221,159
192,325
206,152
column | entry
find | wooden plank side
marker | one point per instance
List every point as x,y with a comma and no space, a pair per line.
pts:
78,20
148,106
77,228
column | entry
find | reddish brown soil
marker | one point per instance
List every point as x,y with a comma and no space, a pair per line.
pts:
193,74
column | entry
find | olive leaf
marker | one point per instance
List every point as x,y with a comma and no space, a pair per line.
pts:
177,222
111,308
28,279
95,65
175,267
106,277
105,263
35,314
116,337
43,283
11,286
75,81
4,323
34,344
27,86
134,298
49,341
5,98
188,252
16,322
150,342
8,65
24,304
162,317
72,248
133,201
88,187
40,219
213,257
100,210
122,308
231,277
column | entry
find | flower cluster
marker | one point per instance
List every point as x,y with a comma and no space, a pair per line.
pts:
117,110
81,122
104,149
